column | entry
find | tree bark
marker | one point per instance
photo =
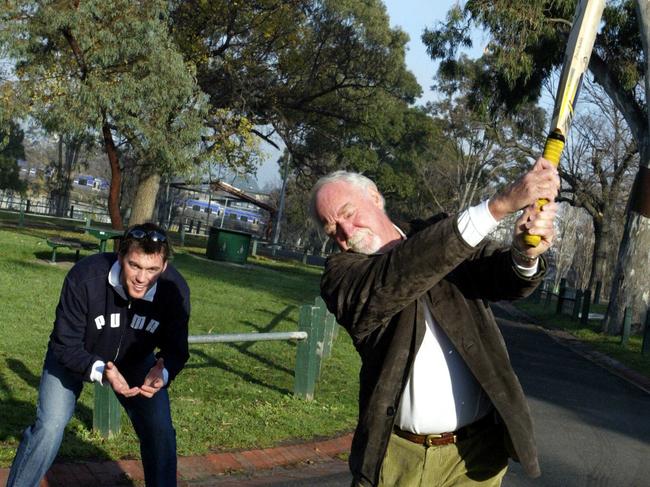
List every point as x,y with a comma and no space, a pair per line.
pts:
605,246
144,202
631,283
116,177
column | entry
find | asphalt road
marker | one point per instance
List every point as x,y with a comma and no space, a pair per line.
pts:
593,428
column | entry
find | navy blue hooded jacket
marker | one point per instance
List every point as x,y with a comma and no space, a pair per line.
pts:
93,322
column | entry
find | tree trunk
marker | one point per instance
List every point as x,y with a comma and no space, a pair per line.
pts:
631,283
116,177
603,249
145,198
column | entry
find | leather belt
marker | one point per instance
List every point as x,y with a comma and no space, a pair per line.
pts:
440,439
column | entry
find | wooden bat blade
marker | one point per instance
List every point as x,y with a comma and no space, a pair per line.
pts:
576,62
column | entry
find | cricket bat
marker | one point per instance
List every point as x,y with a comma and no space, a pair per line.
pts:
576,62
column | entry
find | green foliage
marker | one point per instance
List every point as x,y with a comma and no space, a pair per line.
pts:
82,65
527,40
304,69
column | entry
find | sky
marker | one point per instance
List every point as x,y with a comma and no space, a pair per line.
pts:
412,16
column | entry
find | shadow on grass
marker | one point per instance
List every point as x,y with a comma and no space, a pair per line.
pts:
63,256
18,415
38,265
211,361
243,348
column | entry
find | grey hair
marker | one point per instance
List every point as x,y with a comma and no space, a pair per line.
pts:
354,178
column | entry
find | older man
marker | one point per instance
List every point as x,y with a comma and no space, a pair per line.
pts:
439,403
114,311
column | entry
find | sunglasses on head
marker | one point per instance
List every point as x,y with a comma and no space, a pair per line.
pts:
153,235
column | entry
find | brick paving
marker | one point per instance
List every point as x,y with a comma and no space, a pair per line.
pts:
194,470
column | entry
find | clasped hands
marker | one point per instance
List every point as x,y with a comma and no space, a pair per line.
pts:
541,182
153,382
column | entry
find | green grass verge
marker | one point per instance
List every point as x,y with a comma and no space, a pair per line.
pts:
229,396
590,333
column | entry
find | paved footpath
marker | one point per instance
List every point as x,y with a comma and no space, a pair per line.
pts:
197,471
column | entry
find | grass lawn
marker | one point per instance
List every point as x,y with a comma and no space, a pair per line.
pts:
229,395
591,333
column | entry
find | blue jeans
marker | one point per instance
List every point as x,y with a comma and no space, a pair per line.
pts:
57,396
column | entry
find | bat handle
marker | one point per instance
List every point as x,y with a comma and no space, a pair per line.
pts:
552,152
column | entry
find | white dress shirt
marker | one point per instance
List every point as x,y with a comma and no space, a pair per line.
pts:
441,394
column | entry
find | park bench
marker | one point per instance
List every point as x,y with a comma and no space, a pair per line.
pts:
70,243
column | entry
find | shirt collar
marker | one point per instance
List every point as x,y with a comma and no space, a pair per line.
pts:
399,230
115,281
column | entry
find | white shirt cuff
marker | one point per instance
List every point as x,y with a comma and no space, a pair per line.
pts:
166,375
97,372
527,271
476,223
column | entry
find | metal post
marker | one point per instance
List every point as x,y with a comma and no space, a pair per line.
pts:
576,304
537,294
549,295
599,286
106,411
627,326
182,233
560,297
285,175
21,215
645,346
254,250
586,303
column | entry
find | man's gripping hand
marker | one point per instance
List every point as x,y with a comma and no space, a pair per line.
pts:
118,382
534,222
154,380
541,182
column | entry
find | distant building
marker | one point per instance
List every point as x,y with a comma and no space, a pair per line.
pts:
84,181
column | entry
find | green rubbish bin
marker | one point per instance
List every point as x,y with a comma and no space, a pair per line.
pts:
228,245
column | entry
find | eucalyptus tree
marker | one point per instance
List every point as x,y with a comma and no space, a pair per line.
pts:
296,66
526,43
108,69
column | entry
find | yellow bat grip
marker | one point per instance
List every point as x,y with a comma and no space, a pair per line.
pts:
552,152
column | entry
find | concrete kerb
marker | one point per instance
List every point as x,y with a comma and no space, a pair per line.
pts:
581,348
129,472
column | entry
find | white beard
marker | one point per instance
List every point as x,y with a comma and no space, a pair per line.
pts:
364,241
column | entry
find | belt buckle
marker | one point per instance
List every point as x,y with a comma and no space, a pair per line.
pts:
429,440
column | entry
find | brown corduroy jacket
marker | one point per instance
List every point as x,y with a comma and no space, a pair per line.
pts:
379,299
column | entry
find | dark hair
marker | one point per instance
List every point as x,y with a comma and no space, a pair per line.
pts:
148,237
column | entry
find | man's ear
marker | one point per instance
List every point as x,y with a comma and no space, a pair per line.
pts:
376,198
